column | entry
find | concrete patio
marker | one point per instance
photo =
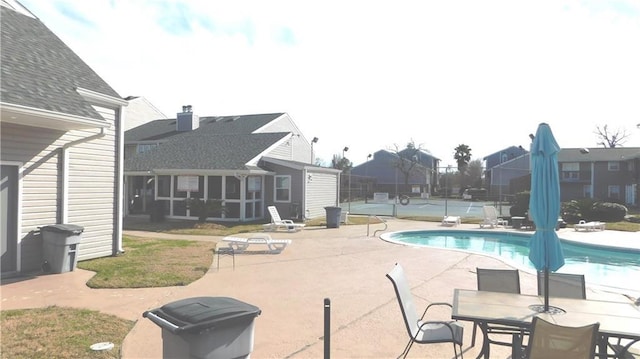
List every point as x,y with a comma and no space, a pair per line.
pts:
342,264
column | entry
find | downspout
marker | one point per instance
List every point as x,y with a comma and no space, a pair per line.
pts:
64,206
306,178
338,189
119,180
117,104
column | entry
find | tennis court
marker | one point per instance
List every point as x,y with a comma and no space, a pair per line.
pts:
431,207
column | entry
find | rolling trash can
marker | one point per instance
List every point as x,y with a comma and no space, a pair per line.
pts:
206,328
60,247
333,216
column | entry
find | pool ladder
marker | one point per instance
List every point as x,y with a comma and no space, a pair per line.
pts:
377,230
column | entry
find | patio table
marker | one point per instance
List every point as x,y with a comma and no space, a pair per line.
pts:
617,319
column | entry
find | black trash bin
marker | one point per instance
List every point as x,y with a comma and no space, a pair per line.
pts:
157,211
333,216
206,327
60,247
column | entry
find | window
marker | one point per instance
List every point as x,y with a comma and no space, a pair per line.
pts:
570,171
164,186
586,191
614,192
232,188
214,187
614,166
142,148
283,188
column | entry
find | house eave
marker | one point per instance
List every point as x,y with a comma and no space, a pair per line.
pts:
35,117
100,98
198,172
300,166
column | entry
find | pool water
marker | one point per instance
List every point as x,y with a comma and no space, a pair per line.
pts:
601,266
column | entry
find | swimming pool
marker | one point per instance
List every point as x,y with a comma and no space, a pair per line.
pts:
607,267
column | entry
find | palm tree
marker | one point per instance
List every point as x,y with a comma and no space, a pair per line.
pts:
462,157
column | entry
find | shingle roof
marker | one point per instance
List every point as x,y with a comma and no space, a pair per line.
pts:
197,150
40,71
598,154
220,125
219,143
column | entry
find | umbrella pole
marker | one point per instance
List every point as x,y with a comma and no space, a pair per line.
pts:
546,289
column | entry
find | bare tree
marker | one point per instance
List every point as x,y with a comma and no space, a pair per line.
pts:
406,159
475,170
341,163
611,139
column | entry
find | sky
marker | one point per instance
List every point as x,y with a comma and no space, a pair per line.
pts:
373,75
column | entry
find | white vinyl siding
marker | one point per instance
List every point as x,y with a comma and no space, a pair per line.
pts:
91,182
321,191
283,151
295,148
92,200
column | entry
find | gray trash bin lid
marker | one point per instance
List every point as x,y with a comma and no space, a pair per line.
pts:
193,315
63,228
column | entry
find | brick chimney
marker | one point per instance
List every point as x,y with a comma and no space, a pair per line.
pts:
187,120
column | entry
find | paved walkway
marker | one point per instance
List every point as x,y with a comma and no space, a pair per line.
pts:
343,264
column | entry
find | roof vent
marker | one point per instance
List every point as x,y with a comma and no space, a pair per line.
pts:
187,120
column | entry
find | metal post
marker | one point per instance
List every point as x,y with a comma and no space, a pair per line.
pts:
327,328
349,191
396,199
315,140
500,192
366,180
345,164
446,194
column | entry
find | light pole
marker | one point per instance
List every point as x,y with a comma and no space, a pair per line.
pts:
315,140
500,186
366,180
446,190
345,149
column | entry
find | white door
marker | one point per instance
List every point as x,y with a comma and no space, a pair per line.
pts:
630,194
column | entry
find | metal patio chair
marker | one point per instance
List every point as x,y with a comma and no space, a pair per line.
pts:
422,331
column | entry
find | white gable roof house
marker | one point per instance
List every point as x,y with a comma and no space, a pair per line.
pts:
139,111
245,162
61,147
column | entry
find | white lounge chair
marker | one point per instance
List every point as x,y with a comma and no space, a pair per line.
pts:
491,217
590,226
279,223
451,221
240,245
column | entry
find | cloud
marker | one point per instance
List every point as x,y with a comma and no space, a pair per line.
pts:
174,17
285,35
370,74
70,13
